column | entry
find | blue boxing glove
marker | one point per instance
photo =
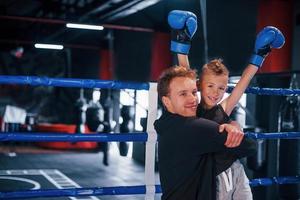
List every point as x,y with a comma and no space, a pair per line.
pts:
270,37
184,26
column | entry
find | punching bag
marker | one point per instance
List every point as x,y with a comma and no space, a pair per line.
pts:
127,114
289,160
80,112
95,117
97,121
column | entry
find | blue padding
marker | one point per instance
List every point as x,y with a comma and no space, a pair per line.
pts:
269,91
63,137
71,82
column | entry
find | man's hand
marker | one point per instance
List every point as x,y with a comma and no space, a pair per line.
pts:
234,137
236,124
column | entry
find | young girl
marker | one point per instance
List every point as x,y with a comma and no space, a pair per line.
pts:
232,182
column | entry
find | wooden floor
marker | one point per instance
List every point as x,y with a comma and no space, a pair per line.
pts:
23,167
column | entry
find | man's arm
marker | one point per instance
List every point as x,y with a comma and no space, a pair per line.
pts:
208,136
246,146
270,37
234,134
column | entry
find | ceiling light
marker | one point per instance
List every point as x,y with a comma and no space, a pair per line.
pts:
85,26
48,46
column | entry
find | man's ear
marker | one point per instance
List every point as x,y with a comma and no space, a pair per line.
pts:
166,102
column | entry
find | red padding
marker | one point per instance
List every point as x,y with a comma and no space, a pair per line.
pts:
64,128
106,66
277,13
161,57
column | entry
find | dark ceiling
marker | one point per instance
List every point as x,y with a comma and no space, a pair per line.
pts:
29,21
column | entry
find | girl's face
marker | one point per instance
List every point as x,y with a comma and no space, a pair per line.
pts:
212,88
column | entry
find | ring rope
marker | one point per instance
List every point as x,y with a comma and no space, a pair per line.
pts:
71,82
274,180
63,137
277,135
116,137
92,83
121,190
269,91
125,190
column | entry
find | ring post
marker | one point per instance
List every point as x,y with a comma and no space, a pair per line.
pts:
150,144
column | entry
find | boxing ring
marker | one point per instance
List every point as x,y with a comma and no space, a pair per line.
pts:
149,188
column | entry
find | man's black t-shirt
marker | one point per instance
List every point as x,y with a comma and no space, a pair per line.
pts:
185,152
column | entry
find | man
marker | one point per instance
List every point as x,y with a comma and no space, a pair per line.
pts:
187,143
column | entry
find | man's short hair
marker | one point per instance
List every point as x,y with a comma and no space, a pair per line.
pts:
169,74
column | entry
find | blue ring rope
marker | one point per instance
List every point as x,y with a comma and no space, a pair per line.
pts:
120,137
92,83
71,82
269,91
79,137
124,190
121,190
279,135
274,180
